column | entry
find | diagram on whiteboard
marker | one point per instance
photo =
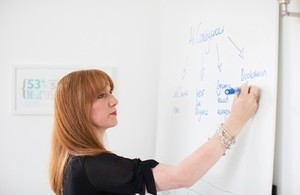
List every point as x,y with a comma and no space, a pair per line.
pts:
206,50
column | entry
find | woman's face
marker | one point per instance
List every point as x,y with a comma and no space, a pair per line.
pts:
103,113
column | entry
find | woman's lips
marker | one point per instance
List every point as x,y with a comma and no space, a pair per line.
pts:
114,113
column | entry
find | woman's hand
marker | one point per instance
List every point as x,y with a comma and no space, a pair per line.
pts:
243,108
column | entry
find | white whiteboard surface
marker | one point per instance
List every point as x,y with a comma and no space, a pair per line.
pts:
208,46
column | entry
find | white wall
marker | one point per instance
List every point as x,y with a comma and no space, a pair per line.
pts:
116,33
287,155
124,35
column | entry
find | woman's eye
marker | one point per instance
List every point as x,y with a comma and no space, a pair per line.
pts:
101,96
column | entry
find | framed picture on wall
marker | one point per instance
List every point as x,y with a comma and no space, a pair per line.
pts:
34,87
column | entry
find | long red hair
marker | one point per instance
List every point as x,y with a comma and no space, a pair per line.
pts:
73,133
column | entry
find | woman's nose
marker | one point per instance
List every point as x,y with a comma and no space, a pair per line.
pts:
113,101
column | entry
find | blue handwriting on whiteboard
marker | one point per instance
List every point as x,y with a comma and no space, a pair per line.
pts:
224,112
220,91
223,100
252,74
176,110
221,87
200,92
180,93
198,110
203,35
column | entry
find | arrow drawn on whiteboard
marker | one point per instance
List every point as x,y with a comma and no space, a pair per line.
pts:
202,69
208,49
184,70
219,65
241,54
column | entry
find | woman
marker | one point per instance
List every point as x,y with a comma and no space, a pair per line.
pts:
81,165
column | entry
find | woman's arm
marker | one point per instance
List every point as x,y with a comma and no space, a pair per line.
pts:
197,164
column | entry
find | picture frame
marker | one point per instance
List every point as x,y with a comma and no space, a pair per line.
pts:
34,87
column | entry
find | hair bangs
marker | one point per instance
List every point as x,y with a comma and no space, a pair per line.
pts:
98,82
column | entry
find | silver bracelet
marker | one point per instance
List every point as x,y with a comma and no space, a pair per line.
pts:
227,140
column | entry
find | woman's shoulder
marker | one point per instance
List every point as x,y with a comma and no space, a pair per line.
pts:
106,158
80,160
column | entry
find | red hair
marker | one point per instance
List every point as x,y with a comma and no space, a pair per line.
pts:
73,133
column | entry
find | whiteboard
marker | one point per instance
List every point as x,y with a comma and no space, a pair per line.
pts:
208,46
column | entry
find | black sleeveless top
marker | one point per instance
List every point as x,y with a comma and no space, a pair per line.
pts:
108,174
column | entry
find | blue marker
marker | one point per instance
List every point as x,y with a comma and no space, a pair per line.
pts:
236,90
